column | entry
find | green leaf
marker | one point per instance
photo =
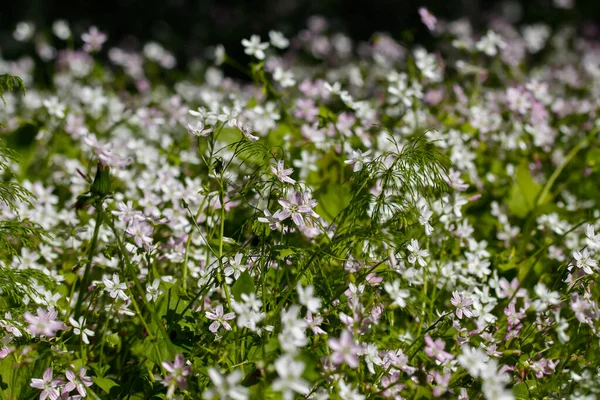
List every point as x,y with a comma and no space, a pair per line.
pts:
592,159
521,391
105,384
523,192
244,284
332,199
16,377
162,350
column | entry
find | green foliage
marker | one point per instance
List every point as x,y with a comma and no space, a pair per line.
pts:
16,373
523,192
9,83
15,284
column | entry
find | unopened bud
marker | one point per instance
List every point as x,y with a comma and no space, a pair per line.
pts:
101,184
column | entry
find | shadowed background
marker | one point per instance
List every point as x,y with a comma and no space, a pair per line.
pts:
188,27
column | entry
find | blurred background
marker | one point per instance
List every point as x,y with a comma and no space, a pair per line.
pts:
188,27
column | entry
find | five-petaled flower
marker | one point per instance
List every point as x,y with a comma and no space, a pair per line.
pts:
115,287
44,323
177,377
462,304
254,47
94,39
47,385
296,206
358,159
80,329
281,173
219,319
344,350
435,349
79,382
199,129
416,253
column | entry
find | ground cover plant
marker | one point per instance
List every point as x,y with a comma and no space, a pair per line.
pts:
351,221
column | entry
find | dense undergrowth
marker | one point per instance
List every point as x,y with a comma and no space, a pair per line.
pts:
354,221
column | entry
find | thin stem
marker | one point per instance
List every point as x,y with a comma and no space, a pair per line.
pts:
92,249
561,167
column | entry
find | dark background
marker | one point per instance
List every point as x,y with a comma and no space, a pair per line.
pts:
188,27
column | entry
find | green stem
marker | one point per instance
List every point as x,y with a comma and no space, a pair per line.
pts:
562,166
92,249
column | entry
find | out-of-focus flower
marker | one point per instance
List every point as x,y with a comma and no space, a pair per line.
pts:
254,47
44,323
24,31
428,19
93,39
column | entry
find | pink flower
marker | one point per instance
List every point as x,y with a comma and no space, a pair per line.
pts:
443,381
427,18
282,174
141,233
513,317
436,349
44,323
79,382
462,304
314,323
344,350
178,372
295,206
47,385
94,39
219,319
199,129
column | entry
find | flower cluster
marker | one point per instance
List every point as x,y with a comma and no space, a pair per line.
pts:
355,220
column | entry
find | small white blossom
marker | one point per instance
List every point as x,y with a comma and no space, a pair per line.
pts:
254,47
80,330
278,40
358,159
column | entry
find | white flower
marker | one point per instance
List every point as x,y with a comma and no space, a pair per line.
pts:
234,266
535,36
290,377
306,298
115,288
490,43
592,239
199,129
79,329
371,354
584,261
93,39
246,131
226,386
347,392
24,31
152,291
417,254
396,293
281,173
358,158
278,40
61,29
333,89
474,360
254,47
285,78
424,218
545,299
54,107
